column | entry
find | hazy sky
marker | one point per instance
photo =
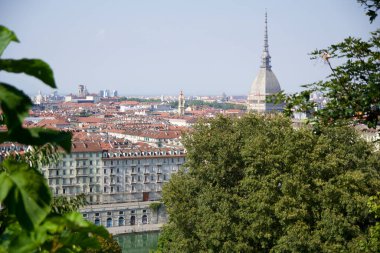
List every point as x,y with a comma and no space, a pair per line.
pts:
153,47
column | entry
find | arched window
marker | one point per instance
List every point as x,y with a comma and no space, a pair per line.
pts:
121,221
132,221
97,222
144,219
109,222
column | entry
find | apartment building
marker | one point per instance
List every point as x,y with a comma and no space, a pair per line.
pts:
117,180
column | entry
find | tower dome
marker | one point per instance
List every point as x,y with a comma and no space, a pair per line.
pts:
265,83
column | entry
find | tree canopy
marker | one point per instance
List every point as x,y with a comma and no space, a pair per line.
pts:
352,90
257,184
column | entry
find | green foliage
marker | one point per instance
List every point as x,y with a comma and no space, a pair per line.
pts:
353,87
155,206
256,184
63,204
108,244
32,67
372,7
28,223
23,192
373,242
6,37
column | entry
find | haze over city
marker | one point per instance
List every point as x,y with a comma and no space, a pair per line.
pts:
162,47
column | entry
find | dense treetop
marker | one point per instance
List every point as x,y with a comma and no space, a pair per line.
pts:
257,184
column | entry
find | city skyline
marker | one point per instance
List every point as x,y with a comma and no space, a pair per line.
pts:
150,48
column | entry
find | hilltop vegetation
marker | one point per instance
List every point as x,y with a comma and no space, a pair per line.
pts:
256,184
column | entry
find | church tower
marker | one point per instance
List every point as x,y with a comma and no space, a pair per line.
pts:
181,104
265,83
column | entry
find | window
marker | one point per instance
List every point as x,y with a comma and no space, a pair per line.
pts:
118,179
117,170
71,163
71,172
105,189
132,221
90,162
117,188
97,222
105,171
64,164
111,171
84,215
109,213
121,221
90,189
109,222
145,219
111,189
97,214
64,191
56,172
111,162
64,172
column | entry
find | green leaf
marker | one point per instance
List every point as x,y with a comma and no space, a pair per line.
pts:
6,36
28,194
15,105
33,67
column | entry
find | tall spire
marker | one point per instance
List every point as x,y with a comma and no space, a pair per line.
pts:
265,57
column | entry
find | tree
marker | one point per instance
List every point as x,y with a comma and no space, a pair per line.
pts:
352,89
256,184
372,7
29,220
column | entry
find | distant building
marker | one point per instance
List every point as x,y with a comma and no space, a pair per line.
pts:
82,91
181,104
265,83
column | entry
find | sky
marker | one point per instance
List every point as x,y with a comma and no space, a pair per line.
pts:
160,47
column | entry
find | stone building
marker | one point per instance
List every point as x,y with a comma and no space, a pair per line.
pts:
265,83
181,104
117,181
